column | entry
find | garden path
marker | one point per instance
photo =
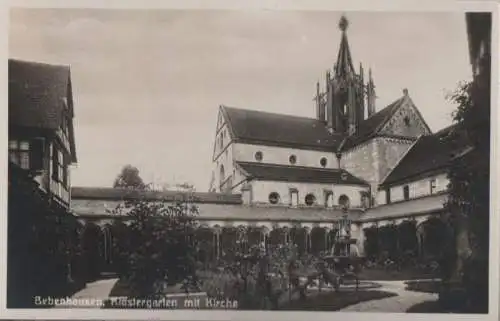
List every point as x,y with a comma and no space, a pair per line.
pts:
96,290
400,303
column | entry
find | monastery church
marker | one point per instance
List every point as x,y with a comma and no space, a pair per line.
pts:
341,157
348,169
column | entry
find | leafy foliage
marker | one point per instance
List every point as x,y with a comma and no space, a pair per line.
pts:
161,247
466,277
468,202
43,244
129,178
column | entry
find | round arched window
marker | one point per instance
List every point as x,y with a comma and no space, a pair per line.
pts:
258,156
274,198
344,201
323,161
310,199
292,159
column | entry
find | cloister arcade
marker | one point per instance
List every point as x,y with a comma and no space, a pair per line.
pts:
421,236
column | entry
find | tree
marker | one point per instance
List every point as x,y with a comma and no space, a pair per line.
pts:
468,201
161,245
129,178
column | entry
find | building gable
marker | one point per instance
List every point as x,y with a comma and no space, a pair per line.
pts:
40,97
406,121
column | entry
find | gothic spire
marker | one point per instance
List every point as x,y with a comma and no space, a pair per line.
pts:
344,60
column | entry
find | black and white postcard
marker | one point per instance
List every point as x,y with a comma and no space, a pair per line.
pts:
262,161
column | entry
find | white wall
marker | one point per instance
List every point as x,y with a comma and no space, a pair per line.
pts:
262,189
280,155
417,189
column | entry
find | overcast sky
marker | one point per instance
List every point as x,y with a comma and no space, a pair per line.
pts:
147,84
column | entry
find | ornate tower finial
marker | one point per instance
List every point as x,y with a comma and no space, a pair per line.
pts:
343,23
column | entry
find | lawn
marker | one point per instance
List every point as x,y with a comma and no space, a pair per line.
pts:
332,301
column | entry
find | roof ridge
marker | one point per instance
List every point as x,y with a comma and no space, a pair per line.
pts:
38,63
270,113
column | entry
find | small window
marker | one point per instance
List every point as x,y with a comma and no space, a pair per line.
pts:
328,198
294,197
310,199
19,153
388,196
293,159
365,200
343,176
406,119
258,156
433,186
344,201
274,198
406,192
323,162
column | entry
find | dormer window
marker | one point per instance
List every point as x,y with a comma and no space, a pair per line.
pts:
292,159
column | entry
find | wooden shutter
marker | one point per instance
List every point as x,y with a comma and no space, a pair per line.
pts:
37,154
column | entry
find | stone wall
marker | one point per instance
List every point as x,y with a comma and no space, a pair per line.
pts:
390,152
361,161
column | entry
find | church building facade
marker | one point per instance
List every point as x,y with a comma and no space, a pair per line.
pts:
348,170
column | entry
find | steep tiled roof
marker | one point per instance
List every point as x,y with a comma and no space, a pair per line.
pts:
258,127
273,172
369,127
272,129
36,95
429,153
223,212
107,193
